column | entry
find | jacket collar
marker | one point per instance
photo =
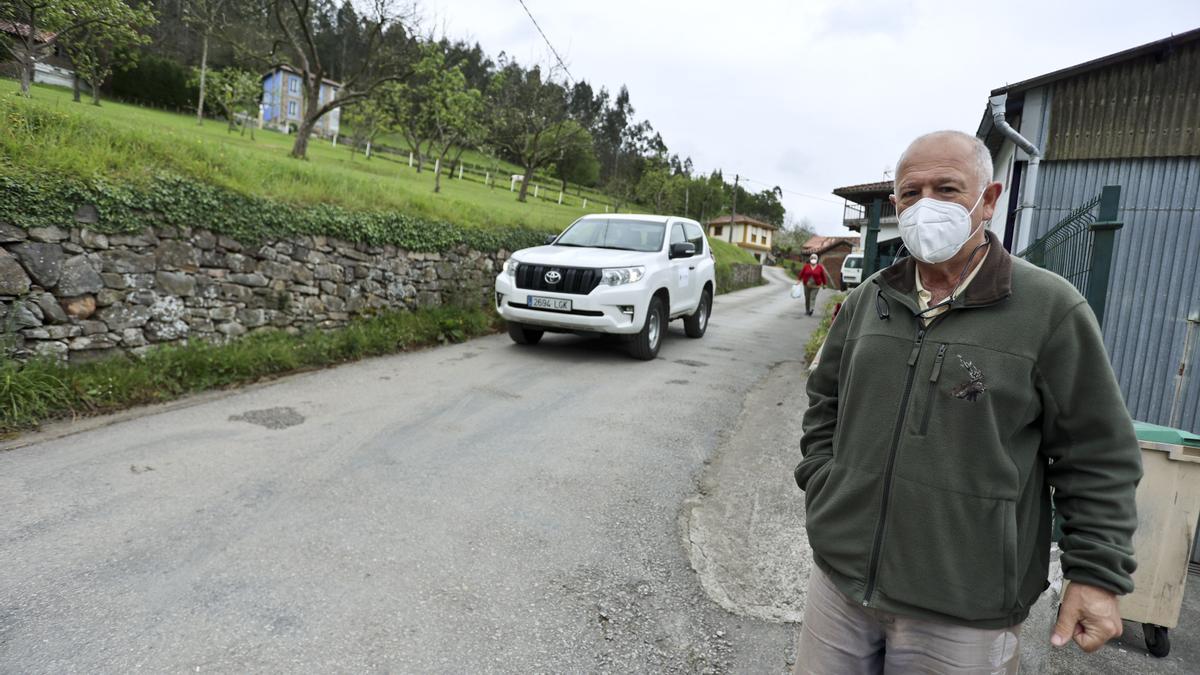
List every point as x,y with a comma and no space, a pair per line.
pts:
991,284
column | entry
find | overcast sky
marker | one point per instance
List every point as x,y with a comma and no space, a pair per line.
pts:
808,95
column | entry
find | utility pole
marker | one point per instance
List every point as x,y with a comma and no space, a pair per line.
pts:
733,208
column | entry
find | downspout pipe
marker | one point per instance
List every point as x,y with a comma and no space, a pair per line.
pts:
1029,184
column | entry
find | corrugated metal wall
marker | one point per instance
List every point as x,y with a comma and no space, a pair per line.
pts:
1155,284
1145,107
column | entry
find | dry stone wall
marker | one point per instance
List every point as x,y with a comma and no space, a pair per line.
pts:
77,294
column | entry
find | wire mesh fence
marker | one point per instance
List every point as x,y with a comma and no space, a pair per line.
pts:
1066,249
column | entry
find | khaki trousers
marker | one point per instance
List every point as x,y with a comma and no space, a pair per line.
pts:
810,297
841,637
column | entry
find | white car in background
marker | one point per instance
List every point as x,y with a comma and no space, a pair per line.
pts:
852,270
611,273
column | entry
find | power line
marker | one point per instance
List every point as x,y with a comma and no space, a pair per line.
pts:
793,192
543,34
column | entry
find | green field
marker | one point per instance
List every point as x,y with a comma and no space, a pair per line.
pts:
126,143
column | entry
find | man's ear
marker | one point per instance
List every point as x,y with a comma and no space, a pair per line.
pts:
991,194
892,199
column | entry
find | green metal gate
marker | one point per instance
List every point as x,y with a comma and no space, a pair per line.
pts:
1079,248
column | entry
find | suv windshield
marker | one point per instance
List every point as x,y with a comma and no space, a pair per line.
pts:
853,263
624,235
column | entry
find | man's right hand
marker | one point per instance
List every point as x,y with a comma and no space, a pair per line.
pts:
1089,615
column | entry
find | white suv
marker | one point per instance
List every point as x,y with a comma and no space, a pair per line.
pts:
610,273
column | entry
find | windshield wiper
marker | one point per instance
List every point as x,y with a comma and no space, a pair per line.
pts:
616,248
560,243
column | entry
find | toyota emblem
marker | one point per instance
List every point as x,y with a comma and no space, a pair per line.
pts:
553,277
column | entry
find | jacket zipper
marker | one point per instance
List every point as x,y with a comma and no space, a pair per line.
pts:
937,371
872,569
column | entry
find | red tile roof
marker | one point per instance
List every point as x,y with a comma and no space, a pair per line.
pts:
22,30
819,244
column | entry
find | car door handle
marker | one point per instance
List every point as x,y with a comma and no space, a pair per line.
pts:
692,267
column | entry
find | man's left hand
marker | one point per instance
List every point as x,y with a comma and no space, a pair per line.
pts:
1089,615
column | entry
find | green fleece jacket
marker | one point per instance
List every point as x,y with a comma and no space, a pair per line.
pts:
930,451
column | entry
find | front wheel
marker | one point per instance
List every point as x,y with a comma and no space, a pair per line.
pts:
1158,641
522,335
696,323
646,342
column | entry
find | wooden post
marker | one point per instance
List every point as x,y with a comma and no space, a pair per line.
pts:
460,170
368,149
560,197
437,165
410,159
585,202
535,191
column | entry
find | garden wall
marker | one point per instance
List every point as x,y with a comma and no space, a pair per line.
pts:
79,294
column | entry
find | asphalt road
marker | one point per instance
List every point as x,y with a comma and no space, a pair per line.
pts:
480,507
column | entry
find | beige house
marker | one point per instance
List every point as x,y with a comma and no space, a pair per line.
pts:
751,234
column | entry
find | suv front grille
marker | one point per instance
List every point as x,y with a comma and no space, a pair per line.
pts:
574,280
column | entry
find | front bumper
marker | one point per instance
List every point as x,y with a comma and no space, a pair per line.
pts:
604,310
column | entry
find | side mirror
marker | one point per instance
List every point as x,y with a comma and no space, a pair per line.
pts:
683,250
551,238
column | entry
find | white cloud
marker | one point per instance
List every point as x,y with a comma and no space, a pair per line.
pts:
809,95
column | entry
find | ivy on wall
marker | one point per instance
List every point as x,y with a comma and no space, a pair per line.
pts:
30,200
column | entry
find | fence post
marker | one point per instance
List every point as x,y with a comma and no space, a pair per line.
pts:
871,246
560,197
460,171
535,191
1104,237
410,160
585,202
437,166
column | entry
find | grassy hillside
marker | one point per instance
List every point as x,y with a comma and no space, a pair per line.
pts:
129,144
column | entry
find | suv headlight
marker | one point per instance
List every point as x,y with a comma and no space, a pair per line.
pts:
510,267
615,276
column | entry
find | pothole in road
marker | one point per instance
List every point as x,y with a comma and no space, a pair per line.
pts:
271,418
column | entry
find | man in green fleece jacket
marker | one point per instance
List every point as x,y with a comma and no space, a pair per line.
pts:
955,389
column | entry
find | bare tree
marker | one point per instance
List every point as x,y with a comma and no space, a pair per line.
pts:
384,56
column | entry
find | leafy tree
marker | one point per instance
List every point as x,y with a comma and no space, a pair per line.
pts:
530,121
96,48
41,24
366,119
235,90
453,113
577,161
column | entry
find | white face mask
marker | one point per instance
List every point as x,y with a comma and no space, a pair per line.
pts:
934,230
812,261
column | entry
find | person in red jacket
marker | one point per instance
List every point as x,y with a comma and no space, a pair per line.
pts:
813,276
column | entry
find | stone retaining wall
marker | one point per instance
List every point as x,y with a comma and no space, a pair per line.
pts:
746,275
78,294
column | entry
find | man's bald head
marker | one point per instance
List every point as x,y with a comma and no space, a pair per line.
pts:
977,153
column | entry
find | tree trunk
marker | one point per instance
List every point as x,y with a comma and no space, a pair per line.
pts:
437,178
525,183
95,92
203,72
75,87
300,146
27,65
312,103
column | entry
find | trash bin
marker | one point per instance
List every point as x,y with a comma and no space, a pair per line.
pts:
1168,504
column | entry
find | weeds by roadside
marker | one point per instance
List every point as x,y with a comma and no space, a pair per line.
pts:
42,389
818,336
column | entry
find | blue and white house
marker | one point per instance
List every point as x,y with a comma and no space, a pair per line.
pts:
283,102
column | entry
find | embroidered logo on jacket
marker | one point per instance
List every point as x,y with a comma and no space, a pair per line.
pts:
973,389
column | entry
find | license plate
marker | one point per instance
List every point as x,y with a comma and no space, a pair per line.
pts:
556,304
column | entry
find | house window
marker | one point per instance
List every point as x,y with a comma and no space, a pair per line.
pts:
717,230
293,110
293,85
